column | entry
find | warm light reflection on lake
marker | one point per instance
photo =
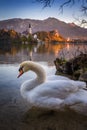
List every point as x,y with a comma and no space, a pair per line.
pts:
48,51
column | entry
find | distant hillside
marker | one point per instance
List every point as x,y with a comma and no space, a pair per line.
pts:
66,30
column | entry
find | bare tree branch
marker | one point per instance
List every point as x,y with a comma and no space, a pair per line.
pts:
84,9
66,3
46,2
83,6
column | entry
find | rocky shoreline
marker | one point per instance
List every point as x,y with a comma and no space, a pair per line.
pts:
75,68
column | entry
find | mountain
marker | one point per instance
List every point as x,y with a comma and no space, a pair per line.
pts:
65,29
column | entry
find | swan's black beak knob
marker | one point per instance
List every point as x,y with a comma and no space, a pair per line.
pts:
20,72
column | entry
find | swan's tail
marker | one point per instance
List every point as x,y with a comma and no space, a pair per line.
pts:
85,89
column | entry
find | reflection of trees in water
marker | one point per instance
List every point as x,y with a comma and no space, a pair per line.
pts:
58,50
16,53
50,48
14,49
10,49
5,48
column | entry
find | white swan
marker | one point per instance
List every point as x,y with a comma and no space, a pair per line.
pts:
52,94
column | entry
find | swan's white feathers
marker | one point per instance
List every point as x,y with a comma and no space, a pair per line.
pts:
54,92
57,77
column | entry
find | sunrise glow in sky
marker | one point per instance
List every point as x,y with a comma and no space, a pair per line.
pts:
33,10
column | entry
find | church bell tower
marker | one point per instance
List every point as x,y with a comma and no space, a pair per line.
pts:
30,29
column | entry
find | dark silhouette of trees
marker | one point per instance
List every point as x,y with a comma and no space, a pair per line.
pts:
9,36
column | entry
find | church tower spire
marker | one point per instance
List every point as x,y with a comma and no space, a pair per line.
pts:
30,29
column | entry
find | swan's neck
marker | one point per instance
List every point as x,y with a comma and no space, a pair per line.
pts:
38,69
31,84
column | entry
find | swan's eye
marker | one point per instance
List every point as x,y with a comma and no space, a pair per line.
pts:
21,68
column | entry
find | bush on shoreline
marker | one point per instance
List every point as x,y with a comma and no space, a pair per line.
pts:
74,68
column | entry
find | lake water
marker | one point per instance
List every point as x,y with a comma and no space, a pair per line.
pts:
12,107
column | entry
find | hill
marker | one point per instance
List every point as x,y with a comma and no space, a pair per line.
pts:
51,36
65,29
8,36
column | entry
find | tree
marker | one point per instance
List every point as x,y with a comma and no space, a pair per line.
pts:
23,39
83,7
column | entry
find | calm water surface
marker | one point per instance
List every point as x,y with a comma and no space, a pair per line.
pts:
12,106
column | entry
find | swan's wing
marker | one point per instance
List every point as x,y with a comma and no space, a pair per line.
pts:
46,102
76,98
79,102
57,89
79,84
58,94
76,101
57,77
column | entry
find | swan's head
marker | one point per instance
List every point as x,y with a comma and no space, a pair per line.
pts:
24,67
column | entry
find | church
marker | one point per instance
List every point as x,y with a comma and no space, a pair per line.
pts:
27,31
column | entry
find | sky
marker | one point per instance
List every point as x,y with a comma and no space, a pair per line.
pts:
33,10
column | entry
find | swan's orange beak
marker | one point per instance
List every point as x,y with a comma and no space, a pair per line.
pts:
20,72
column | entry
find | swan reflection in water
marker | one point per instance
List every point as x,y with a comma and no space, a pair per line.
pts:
52,92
